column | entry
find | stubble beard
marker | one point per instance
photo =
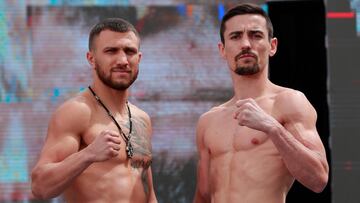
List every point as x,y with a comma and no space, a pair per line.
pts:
247,70
250,69
106,79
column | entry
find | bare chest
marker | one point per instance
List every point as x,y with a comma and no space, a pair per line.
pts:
234,138
139,139
225,135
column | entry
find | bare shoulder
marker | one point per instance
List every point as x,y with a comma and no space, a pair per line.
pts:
294,103
75,113
140,118
211,116
76,104
136,111
66,125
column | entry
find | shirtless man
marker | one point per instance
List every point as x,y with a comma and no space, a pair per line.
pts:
91,155
255,145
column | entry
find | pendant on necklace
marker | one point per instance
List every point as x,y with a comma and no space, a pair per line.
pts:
129,150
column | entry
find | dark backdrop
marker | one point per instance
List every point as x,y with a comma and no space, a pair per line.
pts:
300,63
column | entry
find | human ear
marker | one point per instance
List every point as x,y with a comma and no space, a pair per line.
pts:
90,58
140,55
273,46
221,48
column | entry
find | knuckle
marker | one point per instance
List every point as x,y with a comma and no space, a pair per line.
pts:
247,105
245,113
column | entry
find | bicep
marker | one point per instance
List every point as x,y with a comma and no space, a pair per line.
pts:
309,137
58,148
61,141
301,123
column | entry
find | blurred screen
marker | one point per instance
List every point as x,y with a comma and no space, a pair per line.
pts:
42,63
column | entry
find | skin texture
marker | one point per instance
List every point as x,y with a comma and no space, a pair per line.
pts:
84,156
253,147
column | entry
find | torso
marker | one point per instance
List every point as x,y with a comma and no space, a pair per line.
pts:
245,166
118,180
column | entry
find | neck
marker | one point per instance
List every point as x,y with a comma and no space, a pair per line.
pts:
114,100
249,86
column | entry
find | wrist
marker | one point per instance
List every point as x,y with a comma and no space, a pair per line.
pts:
274,129
88,156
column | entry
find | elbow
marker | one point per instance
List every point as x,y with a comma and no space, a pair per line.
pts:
321,180
315,181
36,193
38,188
40,193
321,183
319,187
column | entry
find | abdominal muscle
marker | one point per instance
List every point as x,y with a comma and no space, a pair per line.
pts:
252,176
107,182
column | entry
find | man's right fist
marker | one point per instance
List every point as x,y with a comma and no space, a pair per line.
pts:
105,146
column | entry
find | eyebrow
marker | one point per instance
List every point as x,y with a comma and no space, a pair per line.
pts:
235,33
253,31
109,48
256,32
131,48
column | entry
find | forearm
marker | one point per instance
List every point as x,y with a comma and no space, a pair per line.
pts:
50,180
309,167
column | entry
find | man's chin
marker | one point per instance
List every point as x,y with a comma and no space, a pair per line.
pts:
118,86
121,86
246,70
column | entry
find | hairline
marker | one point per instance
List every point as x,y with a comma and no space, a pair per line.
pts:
246,9
95,36
112,24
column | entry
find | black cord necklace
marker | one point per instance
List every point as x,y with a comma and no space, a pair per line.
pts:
129,148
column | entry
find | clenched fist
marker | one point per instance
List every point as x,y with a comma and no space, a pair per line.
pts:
248,113
105,146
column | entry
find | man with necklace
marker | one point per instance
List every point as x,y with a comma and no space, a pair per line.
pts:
253,147
98,145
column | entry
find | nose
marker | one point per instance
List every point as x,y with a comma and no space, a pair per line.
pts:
121,59
245,43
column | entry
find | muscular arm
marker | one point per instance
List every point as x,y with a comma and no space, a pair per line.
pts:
296,139
299,143
50,179
60,161
202,193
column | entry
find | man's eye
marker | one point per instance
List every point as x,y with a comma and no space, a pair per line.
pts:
130,52
110,51
234,37
257,35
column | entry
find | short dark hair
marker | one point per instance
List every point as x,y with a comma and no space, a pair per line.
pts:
242,9
113,24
